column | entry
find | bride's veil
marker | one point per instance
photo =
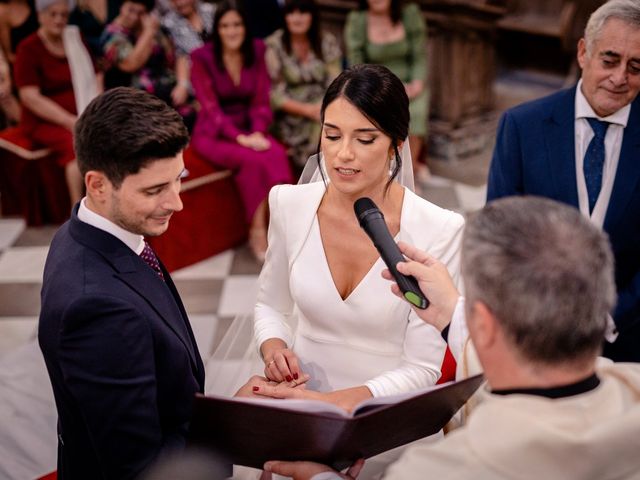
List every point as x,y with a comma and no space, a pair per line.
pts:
236,358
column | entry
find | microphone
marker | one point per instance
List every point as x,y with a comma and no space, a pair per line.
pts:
372,222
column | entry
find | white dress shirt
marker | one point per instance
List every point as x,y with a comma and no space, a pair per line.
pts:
132,240
612,144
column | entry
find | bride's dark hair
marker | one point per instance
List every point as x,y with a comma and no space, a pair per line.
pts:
380,96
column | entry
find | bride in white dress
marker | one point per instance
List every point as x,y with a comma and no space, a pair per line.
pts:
323,308
350,333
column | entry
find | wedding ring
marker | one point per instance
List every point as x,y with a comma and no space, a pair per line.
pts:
270,363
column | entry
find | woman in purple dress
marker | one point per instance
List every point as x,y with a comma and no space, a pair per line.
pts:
230,80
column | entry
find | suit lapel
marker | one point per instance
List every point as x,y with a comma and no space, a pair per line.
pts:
628,172
158,295
132,270
560,144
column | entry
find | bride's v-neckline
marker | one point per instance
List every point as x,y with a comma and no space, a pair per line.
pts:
325,260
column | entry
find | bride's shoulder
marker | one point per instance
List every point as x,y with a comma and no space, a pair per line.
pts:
297,196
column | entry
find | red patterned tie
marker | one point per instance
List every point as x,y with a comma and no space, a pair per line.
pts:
149,257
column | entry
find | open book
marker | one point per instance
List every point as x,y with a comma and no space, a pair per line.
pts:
247,431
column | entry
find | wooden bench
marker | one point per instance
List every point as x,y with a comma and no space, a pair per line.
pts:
211,221
32,185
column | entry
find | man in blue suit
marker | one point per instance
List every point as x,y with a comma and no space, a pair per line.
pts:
120,352
582,146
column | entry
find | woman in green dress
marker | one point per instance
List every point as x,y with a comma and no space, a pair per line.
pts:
387,33
302,62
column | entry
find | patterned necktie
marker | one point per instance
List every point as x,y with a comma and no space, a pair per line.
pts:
594,160
149,257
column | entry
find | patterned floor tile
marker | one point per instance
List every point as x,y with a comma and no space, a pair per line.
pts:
471,198
238,295
244,263
204,328
22,264
16,331
10,230
20,298
217,266
37,236
444,197
200,296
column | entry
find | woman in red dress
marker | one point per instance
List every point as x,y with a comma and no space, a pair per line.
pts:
43,79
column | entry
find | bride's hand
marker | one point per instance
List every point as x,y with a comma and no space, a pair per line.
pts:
280,363
259,386
347,398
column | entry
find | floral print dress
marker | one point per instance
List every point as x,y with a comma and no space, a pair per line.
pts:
301,81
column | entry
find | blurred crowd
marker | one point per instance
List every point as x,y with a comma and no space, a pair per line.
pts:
247,78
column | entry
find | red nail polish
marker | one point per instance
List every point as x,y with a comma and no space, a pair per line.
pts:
255,389
289,378
295,376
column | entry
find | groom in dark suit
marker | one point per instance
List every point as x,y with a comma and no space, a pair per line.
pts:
582,146
116,339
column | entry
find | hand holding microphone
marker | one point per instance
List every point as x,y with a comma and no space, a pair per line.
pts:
433,279
417,273
372,221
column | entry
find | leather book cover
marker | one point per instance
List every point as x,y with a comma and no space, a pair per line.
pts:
251,431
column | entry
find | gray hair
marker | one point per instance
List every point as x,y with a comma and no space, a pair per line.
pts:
545,272
626,10
42,5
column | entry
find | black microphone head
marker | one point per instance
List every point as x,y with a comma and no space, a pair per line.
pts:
364,207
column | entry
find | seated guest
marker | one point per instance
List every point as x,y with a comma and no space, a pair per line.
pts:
189,24
393,34
18,20
302,62
91,17
539,285
8,102
231,83
138,54
55,80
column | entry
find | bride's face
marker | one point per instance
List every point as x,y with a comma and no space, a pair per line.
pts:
357,154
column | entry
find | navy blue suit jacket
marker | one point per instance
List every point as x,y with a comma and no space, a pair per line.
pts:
120,353
535,155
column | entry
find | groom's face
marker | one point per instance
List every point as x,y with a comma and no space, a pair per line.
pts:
145,201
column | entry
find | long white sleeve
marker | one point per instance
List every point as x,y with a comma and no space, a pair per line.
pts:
424,348
274,302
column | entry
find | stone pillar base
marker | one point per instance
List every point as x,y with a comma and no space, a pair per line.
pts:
473,137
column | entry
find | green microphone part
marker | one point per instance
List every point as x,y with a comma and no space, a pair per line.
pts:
415,299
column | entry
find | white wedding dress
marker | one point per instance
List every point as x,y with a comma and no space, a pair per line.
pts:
370,338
